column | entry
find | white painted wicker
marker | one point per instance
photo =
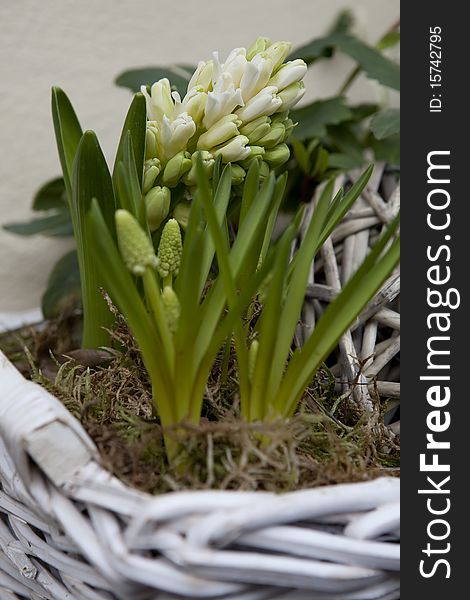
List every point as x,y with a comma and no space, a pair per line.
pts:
70,530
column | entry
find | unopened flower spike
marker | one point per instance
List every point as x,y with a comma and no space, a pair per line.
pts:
134,244
171,307
170,250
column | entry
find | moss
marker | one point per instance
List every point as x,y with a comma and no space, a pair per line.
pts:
326,442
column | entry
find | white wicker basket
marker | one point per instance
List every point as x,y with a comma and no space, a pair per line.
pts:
70,530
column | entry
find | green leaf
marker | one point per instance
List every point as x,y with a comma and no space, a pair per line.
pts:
51,194
63,286
387,149
373,63
344,162
91,179
134,128
314,118
385,123
56,225
67,132
179,76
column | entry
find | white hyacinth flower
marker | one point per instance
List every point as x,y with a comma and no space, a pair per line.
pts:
265,103
256,76
174,135
235,65
289,73
222,131
159,101
193,103
235,150
222,100
202,76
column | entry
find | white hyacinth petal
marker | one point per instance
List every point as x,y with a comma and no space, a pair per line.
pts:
289,73
265,103
235,150
256,76
222,100
174,135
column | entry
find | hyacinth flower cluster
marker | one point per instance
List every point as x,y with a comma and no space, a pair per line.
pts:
237,110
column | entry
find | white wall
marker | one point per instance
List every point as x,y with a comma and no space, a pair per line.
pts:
81,45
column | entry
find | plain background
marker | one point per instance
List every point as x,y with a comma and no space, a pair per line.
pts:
82,45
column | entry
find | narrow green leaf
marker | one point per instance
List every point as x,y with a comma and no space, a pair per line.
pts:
260,399
295,295
221,202
250,189
67,132
336,319
91,179
134,127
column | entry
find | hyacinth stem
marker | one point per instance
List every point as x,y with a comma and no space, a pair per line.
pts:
168,280
154,300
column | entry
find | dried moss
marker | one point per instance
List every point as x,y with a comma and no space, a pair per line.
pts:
327,441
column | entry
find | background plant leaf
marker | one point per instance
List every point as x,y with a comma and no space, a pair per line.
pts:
313,119
51,194
373,63
179,75
63,286
385,123
55,225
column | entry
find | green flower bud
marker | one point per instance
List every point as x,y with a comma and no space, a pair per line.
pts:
181,213
170,249
274,136
171,308
291,95
257,153
157,206
151,171
223,130
151,134
135,246
207,163
256,129
176,169
277,156
277,52
257,46
238,174
252,354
